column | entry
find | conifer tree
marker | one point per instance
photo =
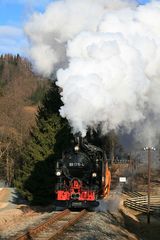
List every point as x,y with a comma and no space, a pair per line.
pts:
48,139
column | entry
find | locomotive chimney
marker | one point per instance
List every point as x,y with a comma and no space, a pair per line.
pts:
77,141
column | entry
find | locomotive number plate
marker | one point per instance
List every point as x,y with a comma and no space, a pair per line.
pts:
76,164
76,204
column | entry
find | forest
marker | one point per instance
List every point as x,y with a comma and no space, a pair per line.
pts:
20,93
32,132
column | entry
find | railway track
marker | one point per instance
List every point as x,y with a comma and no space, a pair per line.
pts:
53,227
133,194
140,203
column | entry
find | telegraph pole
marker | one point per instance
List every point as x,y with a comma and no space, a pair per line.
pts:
148,149
149,184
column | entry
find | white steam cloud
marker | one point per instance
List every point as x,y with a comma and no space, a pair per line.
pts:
110,54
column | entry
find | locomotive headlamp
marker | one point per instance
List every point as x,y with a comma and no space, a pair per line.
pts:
58,173
94,174
76,148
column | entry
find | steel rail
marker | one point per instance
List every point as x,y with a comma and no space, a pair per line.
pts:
68,224
141,204
51,220
45,227
133,194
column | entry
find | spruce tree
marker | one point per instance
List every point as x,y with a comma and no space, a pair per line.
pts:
48,139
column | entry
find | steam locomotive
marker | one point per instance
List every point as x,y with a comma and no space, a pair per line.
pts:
82,176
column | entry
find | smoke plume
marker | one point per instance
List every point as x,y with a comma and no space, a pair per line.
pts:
107,57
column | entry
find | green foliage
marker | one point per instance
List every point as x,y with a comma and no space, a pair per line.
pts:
38,95
51,103
48,139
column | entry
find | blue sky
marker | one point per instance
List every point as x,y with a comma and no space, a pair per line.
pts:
13,15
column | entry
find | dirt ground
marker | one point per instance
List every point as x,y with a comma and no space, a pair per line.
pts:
4,195
110,221
17,218
104,223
